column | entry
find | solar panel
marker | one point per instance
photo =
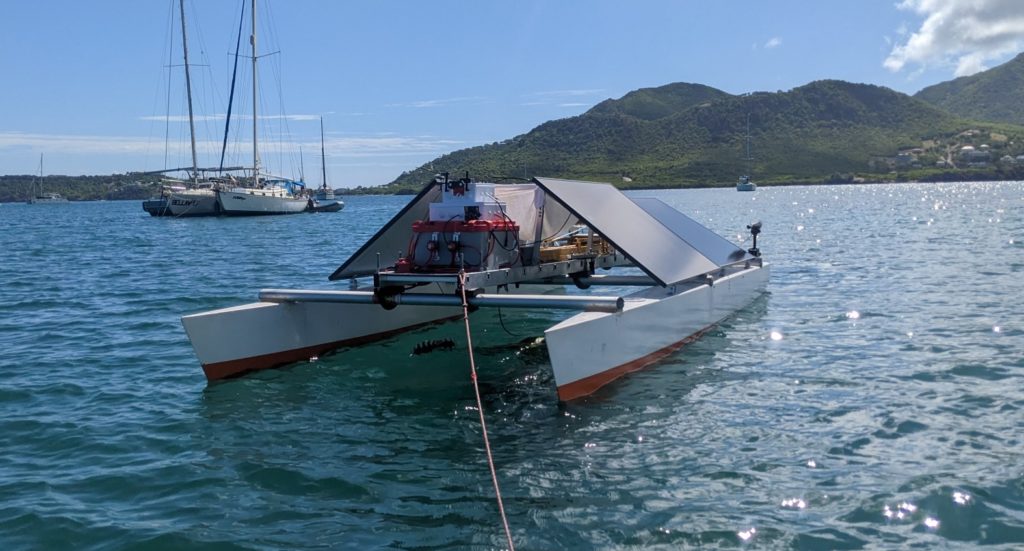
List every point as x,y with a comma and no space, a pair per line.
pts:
716,248
649,243
664,243
389,245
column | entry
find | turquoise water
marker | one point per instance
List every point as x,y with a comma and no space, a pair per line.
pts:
872,399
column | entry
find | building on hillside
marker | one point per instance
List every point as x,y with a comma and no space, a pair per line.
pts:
975,157
905,160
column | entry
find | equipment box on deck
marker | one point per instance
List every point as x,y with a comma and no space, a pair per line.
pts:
475,245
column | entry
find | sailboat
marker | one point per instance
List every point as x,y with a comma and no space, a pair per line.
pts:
191,197
324,200
269,194
745,184
198,199
40,197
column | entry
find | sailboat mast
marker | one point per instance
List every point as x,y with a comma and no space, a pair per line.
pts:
231,94
255,147
749,159
323,155
188,89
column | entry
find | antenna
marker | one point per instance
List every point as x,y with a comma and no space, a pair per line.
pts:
749,160
323,155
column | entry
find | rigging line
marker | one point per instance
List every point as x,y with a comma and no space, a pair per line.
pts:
170,61
558,232
231,94
480,409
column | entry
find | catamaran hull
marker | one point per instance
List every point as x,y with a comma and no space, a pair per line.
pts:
196,202
587,351
262,335
590,350
255,203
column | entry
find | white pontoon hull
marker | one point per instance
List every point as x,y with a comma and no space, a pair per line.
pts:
590,349
587,350
261,335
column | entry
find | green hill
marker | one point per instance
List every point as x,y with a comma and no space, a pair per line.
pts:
655,103
691,135
18,188
993,95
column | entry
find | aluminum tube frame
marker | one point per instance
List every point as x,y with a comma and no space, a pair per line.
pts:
585,303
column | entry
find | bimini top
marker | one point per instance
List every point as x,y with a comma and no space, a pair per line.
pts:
666,244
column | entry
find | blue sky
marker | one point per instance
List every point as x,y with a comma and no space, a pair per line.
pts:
401,82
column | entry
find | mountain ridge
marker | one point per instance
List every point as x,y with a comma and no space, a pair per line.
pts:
685,134
995,95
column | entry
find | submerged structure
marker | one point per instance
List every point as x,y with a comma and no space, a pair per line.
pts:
508,246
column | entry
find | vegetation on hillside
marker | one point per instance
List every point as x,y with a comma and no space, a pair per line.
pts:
18,188
691,135
993,95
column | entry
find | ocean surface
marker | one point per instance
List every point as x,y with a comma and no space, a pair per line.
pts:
873,398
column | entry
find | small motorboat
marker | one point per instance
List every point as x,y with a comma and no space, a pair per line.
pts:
500,243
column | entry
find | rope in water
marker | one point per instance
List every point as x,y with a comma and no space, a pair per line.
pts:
480,408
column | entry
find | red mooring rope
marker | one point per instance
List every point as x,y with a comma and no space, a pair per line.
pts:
480,408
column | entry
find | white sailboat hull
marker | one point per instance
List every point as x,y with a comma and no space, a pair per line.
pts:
255,202
193,202
589,350
47,200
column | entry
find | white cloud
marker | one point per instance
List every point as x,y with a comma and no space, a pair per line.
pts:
222,116
773,42
566,93
75,143
560,98
128,145
182,118
421,104
963,33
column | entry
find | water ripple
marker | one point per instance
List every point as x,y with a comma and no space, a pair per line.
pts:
884,415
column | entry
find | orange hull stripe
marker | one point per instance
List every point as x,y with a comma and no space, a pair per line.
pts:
589,385
234,368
